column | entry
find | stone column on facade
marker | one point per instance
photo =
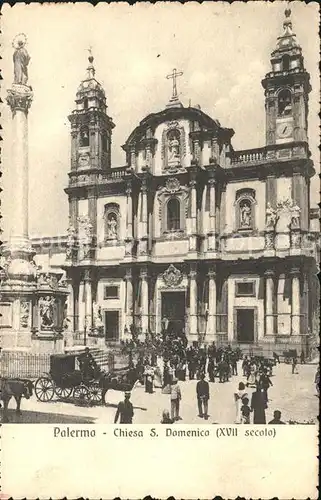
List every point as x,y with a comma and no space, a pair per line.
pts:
92,214
192,237
70,326
269,296
193,328
211,319
129,219
144,300
88,301
212,228
74,148
133,158
129,298
144,221
295,311
215,151
223,209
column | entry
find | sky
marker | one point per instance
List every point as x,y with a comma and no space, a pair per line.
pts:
224,51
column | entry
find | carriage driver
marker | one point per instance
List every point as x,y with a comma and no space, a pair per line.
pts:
87,364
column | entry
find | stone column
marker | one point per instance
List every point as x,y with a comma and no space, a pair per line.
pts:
129,298
193,214
212,229
70,304
92,213
19,99
193,330
269,295
211,320
88,301
295,312
129,220
144,300
144,220
223,209
18,247
129,214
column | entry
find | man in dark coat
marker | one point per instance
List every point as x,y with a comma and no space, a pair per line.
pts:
203,395
125,410
258,406
276,418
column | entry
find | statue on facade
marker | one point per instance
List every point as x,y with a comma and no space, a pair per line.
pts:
24,314
271,217
246,215
46,305
97,317
112,227
71,240
295,216
84,229
173,147
21,60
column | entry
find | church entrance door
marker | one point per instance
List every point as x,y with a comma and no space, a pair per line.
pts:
245,325
111,325
173,312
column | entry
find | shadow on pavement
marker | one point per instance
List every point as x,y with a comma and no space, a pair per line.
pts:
37,417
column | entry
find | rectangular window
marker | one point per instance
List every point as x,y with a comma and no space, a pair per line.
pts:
111,292
245,289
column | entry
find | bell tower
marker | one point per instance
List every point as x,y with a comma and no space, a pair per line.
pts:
287,89
91,127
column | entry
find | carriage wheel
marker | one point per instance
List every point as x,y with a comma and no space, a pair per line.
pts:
95,393
44,389
81,393
63,393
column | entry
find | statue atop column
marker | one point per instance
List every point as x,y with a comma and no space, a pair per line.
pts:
20,95
21,60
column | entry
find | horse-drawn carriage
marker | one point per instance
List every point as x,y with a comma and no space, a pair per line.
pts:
65,381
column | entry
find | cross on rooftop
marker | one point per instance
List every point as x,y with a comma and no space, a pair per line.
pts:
174,76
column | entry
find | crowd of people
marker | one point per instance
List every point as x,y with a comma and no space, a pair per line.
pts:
174,361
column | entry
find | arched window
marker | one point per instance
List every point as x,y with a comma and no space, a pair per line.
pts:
104,141
285,103
84,136
85,103
245,209
111,217
285,62
173,214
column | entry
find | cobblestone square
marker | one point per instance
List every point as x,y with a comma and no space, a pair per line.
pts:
293,394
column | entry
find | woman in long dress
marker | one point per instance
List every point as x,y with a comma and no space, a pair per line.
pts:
238,398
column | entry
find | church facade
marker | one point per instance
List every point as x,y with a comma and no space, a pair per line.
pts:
191,234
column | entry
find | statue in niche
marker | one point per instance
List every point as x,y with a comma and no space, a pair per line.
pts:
173,147
112,227
21,60
270,217
246,214
97,316
46,305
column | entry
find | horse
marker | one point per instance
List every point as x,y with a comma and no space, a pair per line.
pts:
124,379
17,388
